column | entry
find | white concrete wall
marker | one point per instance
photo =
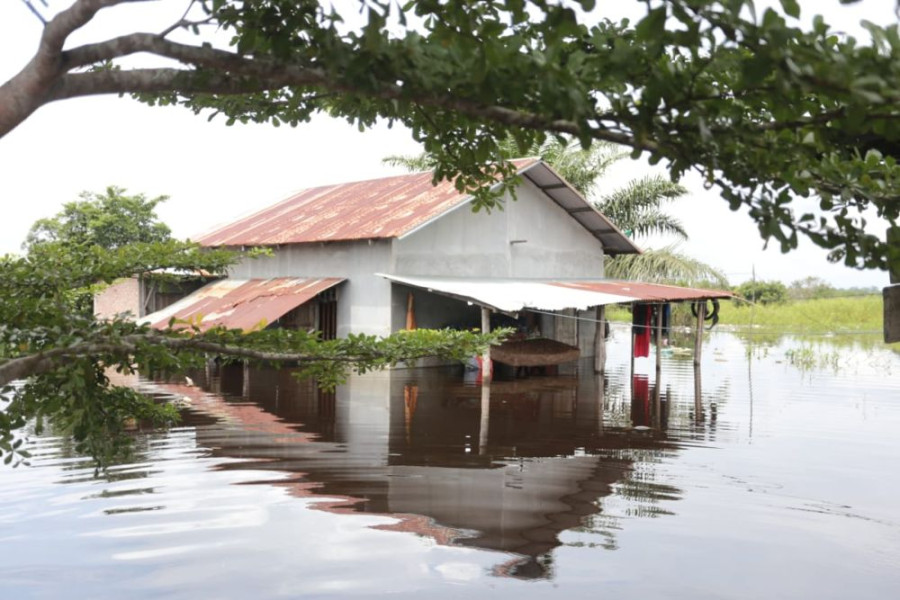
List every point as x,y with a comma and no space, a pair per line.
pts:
364,300
467,244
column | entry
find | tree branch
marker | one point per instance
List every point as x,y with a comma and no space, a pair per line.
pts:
44,362
231,73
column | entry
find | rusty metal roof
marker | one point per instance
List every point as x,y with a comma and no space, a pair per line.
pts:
241,303
514,295
392,207
645,292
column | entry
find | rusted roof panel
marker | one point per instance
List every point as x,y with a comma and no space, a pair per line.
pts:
241,303
374,209
393,207
646,292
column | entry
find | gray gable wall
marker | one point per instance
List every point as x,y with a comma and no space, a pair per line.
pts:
531,238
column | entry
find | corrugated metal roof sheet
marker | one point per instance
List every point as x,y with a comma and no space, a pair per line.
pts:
392,207
241,303
514,295
646,292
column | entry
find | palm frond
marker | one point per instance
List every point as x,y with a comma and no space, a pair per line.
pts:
419,162
665,265
636,206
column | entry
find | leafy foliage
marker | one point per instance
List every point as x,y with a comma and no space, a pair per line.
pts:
109,220
56,358
763,292
766,111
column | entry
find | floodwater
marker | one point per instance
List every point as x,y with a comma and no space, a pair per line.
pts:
781,480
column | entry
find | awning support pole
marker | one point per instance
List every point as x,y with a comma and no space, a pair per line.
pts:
698,346
600,341
631,374
486,370
658,332
698,340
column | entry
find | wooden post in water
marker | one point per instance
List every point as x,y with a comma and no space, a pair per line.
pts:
601,401
245,384
600,341
698,340
486,368
659,310
698,399
657,413
631,374
484,426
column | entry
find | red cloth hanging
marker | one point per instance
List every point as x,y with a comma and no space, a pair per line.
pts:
641,330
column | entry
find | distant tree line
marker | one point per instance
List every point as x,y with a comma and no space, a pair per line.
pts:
808,288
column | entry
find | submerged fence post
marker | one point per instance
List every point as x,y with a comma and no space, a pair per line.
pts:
600,341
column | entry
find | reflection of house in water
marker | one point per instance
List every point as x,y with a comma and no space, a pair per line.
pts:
420,446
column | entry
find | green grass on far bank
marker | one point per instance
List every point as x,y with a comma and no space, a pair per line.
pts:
851,315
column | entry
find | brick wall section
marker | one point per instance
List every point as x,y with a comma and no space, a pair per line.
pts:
121,296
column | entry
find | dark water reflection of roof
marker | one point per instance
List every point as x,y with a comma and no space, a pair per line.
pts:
509,471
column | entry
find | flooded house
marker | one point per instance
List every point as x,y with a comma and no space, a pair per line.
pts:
377,256
383,255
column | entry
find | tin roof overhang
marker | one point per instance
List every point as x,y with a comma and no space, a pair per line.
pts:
241,303
557,189
515,295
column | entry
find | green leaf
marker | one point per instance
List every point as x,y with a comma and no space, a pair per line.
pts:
791,8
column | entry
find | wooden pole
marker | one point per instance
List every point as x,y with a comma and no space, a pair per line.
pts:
698,346
658,332
657,418
484,426
698,398
601,401
698,340
600,341
632,342
486,370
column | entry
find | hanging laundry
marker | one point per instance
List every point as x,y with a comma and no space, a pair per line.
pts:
641,329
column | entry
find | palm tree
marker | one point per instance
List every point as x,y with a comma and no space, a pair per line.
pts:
634,208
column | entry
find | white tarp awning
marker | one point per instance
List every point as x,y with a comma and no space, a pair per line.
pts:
514,295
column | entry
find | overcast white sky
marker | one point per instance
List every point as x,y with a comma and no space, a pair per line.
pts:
215,173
